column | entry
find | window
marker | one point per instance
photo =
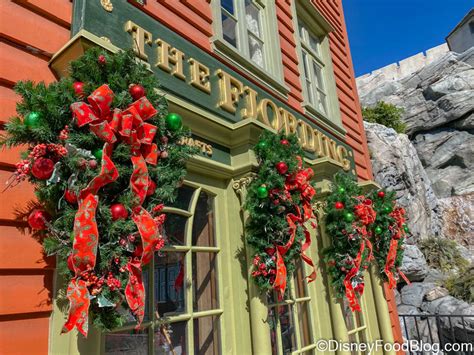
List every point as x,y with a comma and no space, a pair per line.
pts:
182,291
316,72
290,319
244,30
356,328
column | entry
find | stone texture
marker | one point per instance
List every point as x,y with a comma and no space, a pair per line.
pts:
396,166
438,103
458,221
414,265
436,293
414,294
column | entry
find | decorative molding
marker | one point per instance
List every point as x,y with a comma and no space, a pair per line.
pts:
318,208
107,5
106,39
240,186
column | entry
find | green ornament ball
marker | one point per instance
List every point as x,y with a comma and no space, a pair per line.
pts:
378,230
173,121
387,209
262,192
98,154
349,217
32,120
341,190
405,228
262,144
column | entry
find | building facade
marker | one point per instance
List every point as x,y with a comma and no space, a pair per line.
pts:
461,38
232,69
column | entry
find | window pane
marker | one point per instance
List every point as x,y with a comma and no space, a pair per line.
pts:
170,283
348,316
252,18
206,335
272,324
322,102
203,222
228,5
319,76
305,66
287,328
256,50
204,281
301,32
304,326
129,342
314,43
228,29
170,339
185,193
175,228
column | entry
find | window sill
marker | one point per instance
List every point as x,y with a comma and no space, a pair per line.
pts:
335,127
228,52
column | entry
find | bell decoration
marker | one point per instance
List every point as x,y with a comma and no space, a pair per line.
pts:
42,168
118,211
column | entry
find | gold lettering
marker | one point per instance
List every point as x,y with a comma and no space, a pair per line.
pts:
318,144
310,140
342,154
209,150
289,121
301,133
200,76
140,37
168,56
230,89
331,148
250,110
275,122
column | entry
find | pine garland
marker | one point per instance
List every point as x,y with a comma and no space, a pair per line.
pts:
277,202
45,119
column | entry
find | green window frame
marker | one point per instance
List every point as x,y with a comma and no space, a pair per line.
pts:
240,27
315,65
189,317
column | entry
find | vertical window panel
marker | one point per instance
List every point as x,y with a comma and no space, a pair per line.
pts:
287,329
300,281
170,283
206,335
256,51
252,17
203,222
183,199
304,323
204,281
170,339
228,5
229,29
175,228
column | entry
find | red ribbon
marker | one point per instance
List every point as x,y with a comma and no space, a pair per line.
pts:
130,125
297,181
350,293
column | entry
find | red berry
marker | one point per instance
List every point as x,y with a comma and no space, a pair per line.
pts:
93,164
368,202
42,168
118,211
281,167
164,154
164,139
82,163
136,91
381,194
78,88
38,218
70,196
101,59
285,142
339,205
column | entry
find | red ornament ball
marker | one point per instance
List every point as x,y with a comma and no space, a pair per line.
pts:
284,142
101,59
93,164
118,211
339,205
282,167
381,194
136,91
78,87
151,187
70,196
42,168
37,219
368,202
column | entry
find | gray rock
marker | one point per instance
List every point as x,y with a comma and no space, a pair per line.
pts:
435,276
414,265
458,221
414,294
436,293
398,297
465,123
396,166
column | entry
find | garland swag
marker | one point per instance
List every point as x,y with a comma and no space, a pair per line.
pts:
279,205
103,156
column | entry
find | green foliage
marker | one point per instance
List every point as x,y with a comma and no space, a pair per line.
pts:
462,285
52,102
345,239
442,254
267,225
385,114
389,228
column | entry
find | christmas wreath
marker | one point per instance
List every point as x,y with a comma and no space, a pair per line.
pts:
279,204
389,232
349,217
103,156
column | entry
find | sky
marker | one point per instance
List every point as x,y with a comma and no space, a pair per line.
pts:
382,32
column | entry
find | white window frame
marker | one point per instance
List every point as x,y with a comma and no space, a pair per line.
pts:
272,72
305,13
